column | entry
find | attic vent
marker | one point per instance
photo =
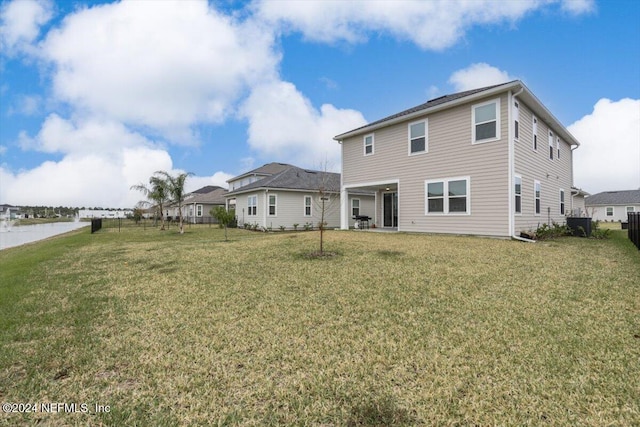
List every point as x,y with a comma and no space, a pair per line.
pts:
440,97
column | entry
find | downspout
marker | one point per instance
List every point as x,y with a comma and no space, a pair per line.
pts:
512,226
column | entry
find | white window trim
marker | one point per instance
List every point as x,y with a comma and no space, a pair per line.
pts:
536,184
558,147
445,193
550,153
613,211
269,195
534,133
364,145
353,200
199,210
249,205
426,137
473,121
516,176
304,206
626,209
562,195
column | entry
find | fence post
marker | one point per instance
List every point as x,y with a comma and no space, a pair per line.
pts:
633,231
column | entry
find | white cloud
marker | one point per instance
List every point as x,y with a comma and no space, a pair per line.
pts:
578,7
163,65
218,178
609,155
436,24
101,161
478,75
284,125
20,22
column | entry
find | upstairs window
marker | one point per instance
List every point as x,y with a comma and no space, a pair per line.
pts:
550,145
252,205
368,145
418,137
535,134
516,118
558,146
517,183
486,122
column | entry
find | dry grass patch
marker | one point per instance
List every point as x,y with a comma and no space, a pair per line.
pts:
395,330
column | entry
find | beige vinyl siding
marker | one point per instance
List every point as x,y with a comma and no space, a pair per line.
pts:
451,154
533,165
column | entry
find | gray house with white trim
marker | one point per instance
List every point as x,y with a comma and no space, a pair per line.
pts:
491,161
613,205
279,195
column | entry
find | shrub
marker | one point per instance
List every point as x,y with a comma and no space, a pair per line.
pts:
552,231
295,227
599,233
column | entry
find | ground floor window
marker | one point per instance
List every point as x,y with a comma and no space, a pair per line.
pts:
273,203
355,207
609,210
198,210
537,189
252,205
447,196
307,205
561,202
517,183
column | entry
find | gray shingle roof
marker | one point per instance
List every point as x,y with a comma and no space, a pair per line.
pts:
430,104
625,197
295,178
213,197
268,169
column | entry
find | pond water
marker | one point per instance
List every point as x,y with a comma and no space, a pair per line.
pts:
11,235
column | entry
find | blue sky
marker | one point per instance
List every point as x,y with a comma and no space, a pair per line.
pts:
96,96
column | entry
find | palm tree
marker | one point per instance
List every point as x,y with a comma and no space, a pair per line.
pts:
175,189
156,192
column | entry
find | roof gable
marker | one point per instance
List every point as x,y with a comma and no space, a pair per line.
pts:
266,170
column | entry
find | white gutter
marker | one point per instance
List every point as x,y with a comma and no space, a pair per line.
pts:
522,239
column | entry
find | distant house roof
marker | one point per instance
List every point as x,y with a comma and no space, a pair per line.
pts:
264,170
206,189
624,197
448,101
215,196
295,178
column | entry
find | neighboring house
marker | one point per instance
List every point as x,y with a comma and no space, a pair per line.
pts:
104,213
491,161
578,207
613,205
197,205
9,212
280,195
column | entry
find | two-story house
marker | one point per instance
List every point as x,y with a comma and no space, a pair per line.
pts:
279,195
491,161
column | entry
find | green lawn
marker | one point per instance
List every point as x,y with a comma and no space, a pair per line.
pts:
396,329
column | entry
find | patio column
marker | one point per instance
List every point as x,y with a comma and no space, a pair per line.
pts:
344,209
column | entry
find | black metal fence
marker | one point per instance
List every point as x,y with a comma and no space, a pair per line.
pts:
633,231
96,224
